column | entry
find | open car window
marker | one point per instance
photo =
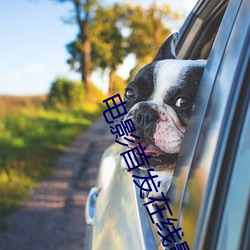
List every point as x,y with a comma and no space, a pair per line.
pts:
196,41
198,33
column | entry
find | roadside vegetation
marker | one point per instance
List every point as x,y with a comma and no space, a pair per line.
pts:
34,131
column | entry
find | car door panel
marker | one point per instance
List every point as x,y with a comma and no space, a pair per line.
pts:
120,221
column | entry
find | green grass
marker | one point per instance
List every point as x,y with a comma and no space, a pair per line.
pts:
31,139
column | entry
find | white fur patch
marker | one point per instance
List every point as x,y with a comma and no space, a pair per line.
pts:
169,73
168,138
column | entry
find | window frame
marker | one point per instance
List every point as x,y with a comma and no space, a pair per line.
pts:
196,140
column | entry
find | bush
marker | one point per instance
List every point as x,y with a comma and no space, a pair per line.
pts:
119,85
97,94
66,93
22,159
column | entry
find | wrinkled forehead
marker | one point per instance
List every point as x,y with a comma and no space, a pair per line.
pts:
169,74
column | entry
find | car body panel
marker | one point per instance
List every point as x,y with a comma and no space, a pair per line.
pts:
117,222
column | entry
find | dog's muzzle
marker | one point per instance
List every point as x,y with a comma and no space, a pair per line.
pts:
145,118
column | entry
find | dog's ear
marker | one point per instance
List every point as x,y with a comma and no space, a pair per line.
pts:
167,49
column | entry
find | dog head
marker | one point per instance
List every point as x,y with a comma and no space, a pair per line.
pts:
159,101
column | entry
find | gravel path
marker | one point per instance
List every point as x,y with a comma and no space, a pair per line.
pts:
53,218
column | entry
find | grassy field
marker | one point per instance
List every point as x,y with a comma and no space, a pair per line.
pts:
31,139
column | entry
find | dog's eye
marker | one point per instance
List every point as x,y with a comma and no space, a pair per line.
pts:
183,102
130,94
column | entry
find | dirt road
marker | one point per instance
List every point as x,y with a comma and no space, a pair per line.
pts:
53,218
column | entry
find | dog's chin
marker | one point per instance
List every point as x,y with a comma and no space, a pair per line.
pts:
163,162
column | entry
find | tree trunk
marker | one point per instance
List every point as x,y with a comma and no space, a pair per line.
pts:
111,82
86,58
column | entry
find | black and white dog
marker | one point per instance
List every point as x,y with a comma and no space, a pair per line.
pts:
159,101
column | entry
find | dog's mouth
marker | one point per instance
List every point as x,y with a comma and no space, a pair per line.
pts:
157,157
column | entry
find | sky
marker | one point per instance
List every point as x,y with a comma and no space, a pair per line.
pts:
32,44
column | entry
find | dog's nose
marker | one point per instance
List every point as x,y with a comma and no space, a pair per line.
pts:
145,118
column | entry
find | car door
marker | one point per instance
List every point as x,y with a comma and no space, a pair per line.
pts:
210,166
118,218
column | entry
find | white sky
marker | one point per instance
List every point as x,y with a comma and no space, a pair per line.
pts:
32,44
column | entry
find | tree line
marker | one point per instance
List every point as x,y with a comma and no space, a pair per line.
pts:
107,34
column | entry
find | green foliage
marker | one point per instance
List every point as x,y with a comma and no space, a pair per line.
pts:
117,84
119,30
97,95
82,15
66,93
74,48
107,43
108,48
31,139
148,30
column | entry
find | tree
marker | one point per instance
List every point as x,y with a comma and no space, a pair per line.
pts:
119,30
83,16
108,44
148,31
108,48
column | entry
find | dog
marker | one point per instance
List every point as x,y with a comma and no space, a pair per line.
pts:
159,100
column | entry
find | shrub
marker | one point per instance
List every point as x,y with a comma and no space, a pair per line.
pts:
119,85
97,94
65,92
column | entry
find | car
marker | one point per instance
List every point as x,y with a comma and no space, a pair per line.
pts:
210,192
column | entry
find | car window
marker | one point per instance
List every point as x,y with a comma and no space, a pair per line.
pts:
198,34
201,22
235,214
207,133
